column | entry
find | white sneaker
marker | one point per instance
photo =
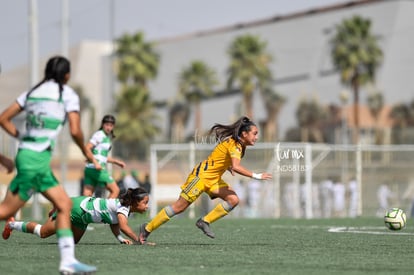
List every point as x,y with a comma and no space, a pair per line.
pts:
77,268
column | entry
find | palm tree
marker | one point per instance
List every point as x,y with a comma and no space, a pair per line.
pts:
137,63
310,115
403,118
137,59
249,67
179,114
136,122
273,102
356,55
195,83
375,104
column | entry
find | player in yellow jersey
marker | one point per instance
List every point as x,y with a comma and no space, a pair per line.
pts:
206,177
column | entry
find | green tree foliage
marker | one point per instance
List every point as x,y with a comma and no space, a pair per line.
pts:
310,115
196,82
375,102
400,115
136,120
137,63
249,67
356,55
403,123
273,102
179,113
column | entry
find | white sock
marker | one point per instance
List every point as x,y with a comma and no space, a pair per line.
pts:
16,226
37,230
67,251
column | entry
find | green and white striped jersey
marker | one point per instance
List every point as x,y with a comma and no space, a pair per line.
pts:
46,113
101,146
100,210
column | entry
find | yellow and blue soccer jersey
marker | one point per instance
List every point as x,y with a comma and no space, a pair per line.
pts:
206,176
219,160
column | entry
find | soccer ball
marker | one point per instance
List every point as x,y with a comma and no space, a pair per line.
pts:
395,219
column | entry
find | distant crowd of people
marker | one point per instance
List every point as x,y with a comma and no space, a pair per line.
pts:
330,198
132,180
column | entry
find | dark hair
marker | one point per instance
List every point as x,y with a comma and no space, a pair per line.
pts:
56,69
132,196
234,130
108,119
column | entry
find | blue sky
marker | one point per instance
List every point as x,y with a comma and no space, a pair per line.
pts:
90,19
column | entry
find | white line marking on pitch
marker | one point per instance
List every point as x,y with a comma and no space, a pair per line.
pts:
359,231
373,230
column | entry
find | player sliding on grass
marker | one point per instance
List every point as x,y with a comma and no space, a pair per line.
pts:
88,210
206,177
47,106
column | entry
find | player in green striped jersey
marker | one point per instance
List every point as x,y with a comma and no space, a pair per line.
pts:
47,106
100,145
87,210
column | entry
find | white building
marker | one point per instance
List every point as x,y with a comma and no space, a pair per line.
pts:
299,43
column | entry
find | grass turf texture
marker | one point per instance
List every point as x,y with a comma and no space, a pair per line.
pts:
241,246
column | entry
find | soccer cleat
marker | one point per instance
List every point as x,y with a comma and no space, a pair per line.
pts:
7,229
205,227
77,268
143,234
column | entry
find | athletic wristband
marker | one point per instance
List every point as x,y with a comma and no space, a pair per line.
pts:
257,176
120,238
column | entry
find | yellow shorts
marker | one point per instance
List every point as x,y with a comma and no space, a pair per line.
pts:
194,187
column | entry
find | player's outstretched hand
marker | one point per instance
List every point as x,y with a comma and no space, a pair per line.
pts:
121,164
266,176
262,176
126,241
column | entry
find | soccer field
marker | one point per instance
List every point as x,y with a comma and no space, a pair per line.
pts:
241,246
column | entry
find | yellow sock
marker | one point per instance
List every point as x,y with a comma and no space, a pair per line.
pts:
158,220
218,212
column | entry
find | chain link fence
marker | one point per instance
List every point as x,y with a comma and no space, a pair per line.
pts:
309,180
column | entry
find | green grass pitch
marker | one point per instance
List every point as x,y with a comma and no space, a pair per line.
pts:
241,246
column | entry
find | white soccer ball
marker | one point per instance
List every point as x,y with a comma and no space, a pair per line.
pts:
395,219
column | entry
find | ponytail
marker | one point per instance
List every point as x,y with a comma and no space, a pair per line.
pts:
234,130
56,69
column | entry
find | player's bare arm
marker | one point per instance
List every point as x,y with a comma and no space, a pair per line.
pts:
238,168
124,227
118,162
6,119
